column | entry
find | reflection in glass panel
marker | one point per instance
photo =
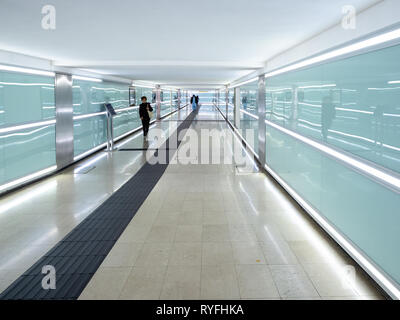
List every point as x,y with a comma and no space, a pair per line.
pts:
249,114
26,98
352,104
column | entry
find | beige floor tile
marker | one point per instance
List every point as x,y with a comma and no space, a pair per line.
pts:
214,217
188,233
181,282
123,255
161,233
144,283
255,282
215,233
191,219
219,282
135,233
106,284
247,253
217,253
154,254
185,254
292,282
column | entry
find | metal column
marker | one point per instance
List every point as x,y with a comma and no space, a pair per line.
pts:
65,122
226,101
179,98
261,119
158,102
236,109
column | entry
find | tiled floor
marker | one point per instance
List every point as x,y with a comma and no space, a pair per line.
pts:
35,218
211,232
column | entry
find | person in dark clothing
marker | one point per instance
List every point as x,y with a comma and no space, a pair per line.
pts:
144,110
197,100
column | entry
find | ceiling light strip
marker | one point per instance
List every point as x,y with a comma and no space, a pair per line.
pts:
75,77
27,70
377,40
243,83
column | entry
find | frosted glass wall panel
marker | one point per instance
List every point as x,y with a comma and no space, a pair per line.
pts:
26,99
352,104
249,114
365,211
89,99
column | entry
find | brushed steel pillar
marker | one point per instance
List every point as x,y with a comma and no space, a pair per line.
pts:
261,119
158,102
64,120
236,110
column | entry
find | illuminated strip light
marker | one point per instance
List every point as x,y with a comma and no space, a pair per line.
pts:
355,110
27,126
44,85
27,70
392,35
90,115
243,83
310,105
311,123
249,114
391,115
319,86
27,178
383,89
86,79
127,109
86,153
143,86
394,82
371,171
339,238
365,139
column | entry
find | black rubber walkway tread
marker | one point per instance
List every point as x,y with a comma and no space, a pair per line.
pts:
77,257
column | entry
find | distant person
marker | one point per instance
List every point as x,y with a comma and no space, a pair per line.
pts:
145,113
197,100
193,102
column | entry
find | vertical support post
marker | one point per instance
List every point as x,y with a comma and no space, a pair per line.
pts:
158,102
236,109
261,119
179,98
65,122
226,101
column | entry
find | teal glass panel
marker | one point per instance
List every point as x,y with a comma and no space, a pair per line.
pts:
144,92
353,105
89,133
26,151
249,114
126,121
26,98
231,99
88,99
365,211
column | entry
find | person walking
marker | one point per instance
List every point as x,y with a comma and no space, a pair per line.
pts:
145,113
193,102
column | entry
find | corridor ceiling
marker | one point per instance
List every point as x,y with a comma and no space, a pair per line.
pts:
184,43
